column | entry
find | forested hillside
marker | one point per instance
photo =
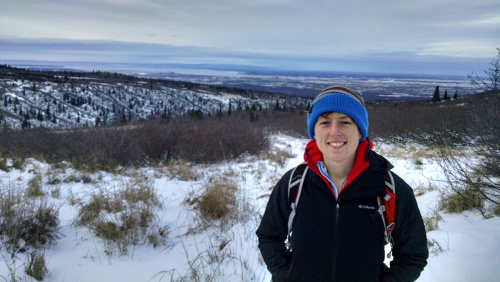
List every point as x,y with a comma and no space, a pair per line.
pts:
62,99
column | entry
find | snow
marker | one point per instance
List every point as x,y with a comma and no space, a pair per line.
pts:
470,249
465,245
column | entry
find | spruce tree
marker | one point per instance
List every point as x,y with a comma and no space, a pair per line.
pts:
435,98
456,94
446,95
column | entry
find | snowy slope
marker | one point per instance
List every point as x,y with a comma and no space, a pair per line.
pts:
469,243
87,103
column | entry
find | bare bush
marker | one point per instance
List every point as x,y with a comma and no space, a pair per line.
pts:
160,141
3,165
493,76
290,123
475,180
434,247
26,225
431,221
278,156
125,217
462,199
18,163
35,266
182,170
418,121
35,187
219,203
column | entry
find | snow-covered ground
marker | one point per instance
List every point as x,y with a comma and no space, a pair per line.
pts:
468,243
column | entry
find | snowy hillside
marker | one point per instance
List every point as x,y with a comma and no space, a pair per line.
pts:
61,101
465,245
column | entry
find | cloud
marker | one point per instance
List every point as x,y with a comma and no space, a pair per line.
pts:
261,32
101,51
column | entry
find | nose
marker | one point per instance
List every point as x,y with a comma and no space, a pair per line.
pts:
335,129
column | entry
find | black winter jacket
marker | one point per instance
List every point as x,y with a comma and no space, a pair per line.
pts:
342,240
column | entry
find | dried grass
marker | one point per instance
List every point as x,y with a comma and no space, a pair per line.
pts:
124,217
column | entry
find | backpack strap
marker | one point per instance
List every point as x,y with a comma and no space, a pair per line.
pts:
386,204
387,208
295,184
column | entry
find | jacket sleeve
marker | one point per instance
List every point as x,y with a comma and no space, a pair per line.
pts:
273,230
410,240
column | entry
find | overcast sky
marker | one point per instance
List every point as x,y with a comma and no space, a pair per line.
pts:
424,36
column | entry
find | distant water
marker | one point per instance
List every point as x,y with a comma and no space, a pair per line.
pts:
374,86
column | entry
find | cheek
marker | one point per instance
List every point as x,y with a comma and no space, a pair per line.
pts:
315,132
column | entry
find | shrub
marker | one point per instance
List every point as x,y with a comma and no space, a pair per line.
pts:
421,190
462,200
56,192
278,156
25,223
207,140
475,178
3,165
496,210
35,266
434,247
431,222
35,187
418,162
18,163
218,200
91,211
182,170
219,203
124,217
493,75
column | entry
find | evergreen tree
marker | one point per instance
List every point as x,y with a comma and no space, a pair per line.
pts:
47,112
252,117
456,94
436,98
39,116
25,124
219,112
446,95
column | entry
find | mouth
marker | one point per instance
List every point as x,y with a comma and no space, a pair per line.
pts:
336,144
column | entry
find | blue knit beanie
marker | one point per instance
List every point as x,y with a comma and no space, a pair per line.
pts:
342,100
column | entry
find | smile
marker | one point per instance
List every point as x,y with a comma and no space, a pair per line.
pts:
336,144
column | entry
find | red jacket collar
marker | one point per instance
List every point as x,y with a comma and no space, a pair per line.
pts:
313,155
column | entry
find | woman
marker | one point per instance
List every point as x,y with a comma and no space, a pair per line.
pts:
336,236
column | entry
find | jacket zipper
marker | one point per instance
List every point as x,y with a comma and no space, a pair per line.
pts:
334,260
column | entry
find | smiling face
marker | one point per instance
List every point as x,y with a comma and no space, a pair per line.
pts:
337,137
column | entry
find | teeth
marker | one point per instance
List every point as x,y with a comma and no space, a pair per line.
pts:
337,144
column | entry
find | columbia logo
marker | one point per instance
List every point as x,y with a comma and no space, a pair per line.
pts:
366,207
